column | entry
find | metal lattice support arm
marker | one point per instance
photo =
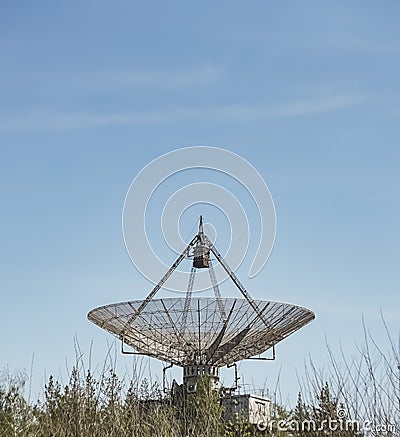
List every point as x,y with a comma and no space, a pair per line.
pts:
160,284
187,299
238,284
217,293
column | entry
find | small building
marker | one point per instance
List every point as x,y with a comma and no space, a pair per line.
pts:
248,408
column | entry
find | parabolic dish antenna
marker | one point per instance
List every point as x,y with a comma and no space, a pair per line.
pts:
199,333
209,331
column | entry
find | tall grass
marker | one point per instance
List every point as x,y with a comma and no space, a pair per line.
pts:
105,405
366,387
366,384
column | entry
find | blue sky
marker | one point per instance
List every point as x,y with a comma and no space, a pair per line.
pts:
90,92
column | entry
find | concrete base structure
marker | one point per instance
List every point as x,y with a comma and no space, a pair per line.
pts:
192,373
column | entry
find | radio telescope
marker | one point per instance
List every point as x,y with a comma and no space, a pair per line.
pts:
201,334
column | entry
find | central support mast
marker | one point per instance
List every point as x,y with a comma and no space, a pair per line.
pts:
201,253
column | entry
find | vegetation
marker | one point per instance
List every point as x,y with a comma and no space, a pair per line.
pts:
363,391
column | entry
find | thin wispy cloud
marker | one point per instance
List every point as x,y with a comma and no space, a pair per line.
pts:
126,79
144,78
365,45
236,113
291,109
